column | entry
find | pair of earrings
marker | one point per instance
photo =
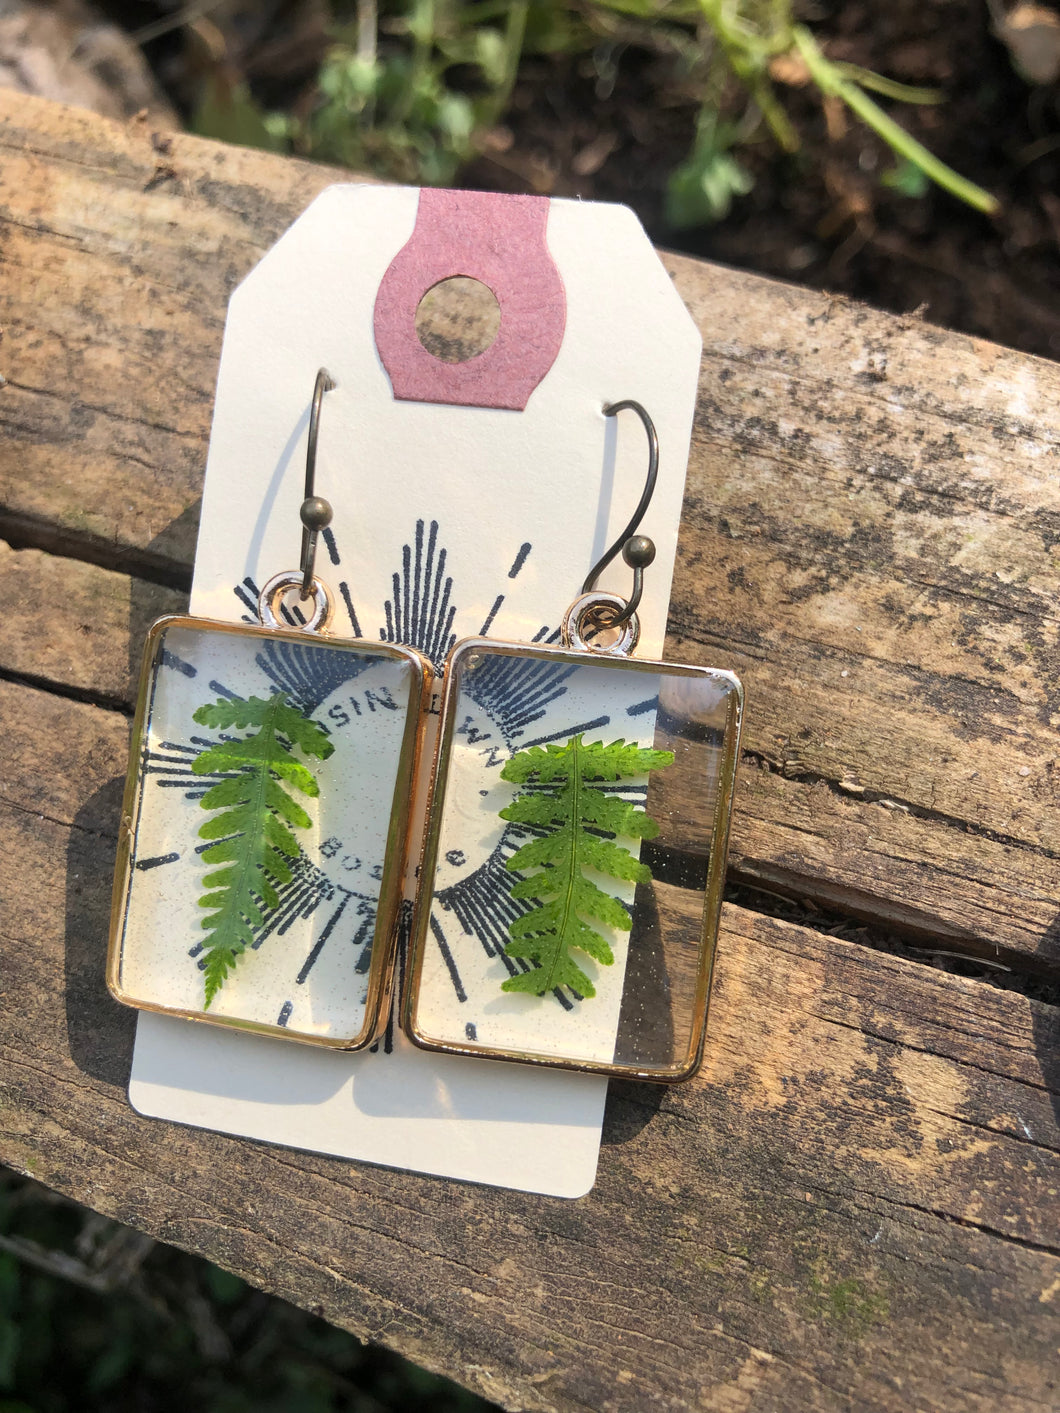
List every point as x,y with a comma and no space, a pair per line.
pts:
573,860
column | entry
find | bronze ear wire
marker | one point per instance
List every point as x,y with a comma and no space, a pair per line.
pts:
315,512
604,611
637,550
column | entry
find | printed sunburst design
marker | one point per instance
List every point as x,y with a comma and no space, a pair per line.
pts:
310,887
420,612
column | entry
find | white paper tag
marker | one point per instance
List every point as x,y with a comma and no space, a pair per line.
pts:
449,521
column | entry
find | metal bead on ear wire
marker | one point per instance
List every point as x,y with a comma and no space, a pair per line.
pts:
639,551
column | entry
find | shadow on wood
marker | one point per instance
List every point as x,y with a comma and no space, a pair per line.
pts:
1047,1026
100,1031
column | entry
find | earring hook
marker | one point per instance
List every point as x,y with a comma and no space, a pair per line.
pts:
315,512
637,550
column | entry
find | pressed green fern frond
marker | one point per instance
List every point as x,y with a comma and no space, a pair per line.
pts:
573,817
254,812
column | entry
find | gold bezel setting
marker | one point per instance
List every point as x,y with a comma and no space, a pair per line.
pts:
384,943
686,1066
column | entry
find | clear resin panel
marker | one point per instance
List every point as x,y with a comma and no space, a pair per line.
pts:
264,829
572,877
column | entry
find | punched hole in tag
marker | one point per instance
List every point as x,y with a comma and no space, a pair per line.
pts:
458,319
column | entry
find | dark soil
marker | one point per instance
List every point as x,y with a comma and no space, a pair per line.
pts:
822,218
613,124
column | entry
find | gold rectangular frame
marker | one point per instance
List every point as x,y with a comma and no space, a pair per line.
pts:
384,943
680,1070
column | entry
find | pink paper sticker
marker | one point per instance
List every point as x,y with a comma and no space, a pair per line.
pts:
500,241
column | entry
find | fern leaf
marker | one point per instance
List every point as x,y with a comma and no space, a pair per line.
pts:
242,712
611,858
252,814
619,761
570,819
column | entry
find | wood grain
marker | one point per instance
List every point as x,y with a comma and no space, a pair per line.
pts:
871,532
77,626
120,250
872,535
855,1207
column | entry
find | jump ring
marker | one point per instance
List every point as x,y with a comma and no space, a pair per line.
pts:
319,621
582,607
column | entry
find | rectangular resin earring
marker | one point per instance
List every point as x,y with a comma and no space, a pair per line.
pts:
262,846
573,870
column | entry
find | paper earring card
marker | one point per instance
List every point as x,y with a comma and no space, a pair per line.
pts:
467,498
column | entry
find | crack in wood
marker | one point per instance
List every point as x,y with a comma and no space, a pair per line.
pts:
875,797
68,693
31,532
108,412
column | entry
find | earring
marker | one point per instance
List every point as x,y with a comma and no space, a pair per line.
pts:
601,829
264,833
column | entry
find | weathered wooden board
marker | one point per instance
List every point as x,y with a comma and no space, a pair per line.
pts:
119,257
871,531
76,626
857,1204
854,1207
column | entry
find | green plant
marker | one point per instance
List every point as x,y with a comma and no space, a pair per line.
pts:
848,82
754,40
402,111
254,842
572,818
387,102
100,1319
703,186
412,89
